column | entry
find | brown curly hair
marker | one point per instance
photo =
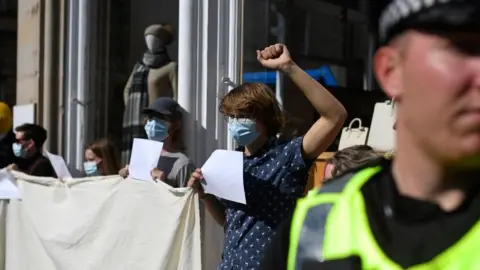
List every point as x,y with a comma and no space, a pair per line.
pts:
256,101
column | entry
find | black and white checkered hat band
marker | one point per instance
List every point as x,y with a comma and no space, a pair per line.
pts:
398,10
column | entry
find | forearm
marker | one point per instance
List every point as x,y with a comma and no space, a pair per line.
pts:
321,99
215,208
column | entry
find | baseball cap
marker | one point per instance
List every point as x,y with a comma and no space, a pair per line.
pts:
6,120
164,106
392,17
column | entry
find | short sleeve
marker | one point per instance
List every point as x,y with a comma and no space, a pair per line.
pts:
184,174
296,161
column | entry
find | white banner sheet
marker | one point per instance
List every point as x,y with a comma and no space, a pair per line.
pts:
99,223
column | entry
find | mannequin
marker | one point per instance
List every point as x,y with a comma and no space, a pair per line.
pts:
154,76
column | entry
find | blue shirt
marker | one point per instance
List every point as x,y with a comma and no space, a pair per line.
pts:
273,180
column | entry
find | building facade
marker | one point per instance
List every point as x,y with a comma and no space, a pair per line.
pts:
74,58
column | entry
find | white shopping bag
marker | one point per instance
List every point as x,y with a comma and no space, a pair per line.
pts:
353,136
382,132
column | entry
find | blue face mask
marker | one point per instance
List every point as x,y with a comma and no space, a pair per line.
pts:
90,168
18,150
243,130
156,129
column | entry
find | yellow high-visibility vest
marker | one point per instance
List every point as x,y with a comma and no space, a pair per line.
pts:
333,224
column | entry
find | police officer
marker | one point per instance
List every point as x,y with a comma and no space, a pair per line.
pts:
421,210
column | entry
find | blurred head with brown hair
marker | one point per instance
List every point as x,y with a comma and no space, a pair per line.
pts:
102,158
252,112
348,159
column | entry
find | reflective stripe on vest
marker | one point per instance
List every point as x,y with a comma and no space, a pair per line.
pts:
334,225
310,217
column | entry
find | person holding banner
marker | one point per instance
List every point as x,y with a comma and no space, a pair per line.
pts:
27,148
101,158
275,170
163,123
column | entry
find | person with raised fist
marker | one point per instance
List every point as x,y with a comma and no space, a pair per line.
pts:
275,170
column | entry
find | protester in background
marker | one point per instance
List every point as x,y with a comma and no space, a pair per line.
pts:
163,123
7,137
275,171
29,140
348,159
101,158
421,209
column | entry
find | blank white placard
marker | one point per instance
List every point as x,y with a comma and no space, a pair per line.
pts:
144,157
59,165
223,174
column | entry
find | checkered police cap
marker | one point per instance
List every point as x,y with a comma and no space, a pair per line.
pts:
391,17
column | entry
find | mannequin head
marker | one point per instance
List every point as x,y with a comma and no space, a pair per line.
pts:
158,36
153,43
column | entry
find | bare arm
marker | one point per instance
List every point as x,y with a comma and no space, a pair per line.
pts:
323,132
333,114
215,208
213,205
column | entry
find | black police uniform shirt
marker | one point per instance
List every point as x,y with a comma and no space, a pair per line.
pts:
414,232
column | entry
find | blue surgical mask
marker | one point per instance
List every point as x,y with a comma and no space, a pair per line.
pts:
90,168
243,130
156,129
18,150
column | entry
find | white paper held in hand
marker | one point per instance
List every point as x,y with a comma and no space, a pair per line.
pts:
144,157
223,174
8,186
59,165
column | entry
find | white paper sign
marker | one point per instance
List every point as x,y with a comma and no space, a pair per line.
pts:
8,186
223,174
144,157
59,165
